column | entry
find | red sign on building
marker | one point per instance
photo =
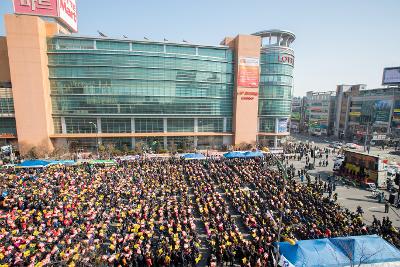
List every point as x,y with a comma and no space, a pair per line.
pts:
64,10
36,7
248,72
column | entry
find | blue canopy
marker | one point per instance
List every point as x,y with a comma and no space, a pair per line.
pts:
33,164
193,156
341,251
63,162
367,249
319,252
253,154
234,154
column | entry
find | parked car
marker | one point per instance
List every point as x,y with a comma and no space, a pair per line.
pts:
351,146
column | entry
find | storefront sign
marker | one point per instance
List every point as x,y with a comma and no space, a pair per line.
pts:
286,59
36,7
248,72
64,10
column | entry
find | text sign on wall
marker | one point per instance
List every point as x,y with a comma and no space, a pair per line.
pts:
63,10
36,7
67,13
248,72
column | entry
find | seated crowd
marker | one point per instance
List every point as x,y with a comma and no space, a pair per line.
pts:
164,213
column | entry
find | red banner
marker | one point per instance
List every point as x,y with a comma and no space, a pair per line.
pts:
248,72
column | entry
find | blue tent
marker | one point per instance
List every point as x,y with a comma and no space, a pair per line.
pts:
319,252
234,154
33,164
193,156
367,249
341,251
253,154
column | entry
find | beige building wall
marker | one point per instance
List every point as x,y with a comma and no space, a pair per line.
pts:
27,53
4,65
245,99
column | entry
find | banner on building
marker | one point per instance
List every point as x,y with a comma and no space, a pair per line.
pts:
283,125
249,72
63,10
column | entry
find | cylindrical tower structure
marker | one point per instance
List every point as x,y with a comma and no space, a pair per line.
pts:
276,85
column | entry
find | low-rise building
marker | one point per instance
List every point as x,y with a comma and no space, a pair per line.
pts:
319,112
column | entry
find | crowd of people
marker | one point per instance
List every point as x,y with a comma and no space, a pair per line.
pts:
168,212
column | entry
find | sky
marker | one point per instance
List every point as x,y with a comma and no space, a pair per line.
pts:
337,42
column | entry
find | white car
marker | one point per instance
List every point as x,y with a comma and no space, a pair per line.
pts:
351,145
337,164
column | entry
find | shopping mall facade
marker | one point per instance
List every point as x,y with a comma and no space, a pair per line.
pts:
58,88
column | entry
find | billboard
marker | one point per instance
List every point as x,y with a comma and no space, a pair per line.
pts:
64,10
67,14
249,72
391,76
376,111
36,7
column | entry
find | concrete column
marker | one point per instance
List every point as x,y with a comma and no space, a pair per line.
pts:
133,142
94,44
275,141
276,125
165,125
130,46
132,125
98,125
224,124
390,117
165,142
195,142
63,126
196,125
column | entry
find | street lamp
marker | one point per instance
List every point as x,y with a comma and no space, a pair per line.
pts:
284,171
97,137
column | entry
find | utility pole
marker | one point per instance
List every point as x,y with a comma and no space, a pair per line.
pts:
366,137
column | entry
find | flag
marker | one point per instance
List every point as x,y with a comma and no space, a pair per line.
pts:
284,262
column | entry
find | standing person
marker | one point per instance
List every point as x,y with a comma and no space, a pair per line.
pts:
386,206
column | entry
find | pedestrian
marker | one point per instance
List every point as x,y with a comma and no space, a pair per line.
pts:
386,207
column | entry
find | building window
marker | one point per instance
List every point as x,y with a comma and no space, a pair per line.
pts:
180,125
210,125
116,125
57,125
81,125
7,126
149,125
267,125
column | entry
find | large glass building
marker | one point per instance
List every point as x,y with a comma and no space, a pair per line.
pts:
83,91
276,85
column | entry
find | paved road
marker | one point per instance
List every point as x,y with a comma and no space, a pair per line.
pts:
351,197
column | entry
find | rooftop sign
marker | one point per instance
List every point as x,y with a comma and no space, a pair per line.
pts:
63,10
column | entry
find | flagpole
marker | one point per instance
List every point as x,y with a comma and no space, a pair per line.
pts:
284,171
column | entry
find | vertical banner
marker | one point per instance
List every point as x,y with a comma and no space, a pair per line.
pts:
249,72
283,125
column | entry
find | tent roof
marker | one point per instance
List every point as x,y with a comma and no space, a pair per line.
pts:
340,251
367,249
252,154
319,252
193,156
243,154
33,164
